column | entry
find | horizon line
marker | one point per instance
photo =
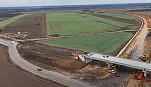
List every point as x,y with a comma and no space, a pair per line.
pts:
76,5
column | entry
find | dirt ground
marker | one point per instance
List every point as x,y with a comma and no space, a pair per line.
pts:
11,76
133,22
147,47
140,45
146,16
34,25
50,55
135,83
61,60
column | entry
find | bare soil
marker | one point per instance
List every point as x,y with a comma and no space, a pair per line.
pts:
147,18
147,47
133,22
135,83
50,55
12,76
61,60
34,25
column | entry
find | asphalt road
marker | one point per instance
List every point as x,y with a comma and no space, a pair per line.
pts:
16,58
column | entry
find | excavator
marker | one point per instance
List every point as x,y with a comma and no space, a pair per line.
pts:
145,58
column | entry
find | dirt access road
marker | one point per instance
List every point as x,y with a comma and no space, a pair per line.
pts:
136,47
10,76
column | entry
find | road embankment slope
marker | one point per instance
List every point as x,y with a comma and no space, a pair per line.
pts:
16,58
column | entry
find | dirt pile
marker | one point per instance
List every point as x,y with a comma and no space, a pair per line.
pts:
147,47
148,19
50,55
61,60
91,71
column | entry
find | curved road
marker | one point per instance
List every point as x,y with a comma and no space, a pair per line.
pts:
16,58
137,48
10,76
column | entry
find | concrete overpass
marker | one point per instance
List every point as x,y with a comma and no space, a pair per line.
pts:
115,60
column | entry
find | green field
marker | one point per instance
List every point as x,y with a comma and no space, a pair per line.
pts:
1,19
75,23
120,15
103,43
10,20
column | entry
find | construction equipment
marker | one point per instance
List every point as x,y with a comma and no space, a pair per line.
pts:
113,68
125,55
143,58
138,74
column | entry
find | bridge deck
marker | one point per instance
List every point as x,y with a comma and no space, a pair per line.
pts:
120,61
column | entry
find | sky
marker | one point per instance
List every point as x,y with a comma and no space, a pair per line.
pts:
14,3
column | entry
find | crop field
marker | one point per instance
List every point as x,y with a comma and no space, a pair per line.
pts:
10,20
75,24
33,24
103,43
132,21
1,19
120,15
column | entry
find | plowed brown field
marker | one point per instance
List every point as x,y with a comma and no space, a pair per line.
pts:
133,22
34,25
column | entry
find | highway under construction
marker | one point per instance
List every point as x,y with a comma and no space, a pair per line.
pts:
135,54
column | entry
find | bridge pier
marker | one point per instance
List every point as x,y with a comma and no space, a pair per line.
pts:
87,60
108,64
84,59
145,72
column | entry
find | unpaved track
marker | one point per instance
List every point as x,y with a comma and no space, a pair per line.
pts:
10,76
136,49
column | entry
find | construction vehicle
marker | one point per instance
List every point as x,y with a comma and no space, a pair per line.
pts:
39,69
113,68
125,55
117,74
144,58
138,74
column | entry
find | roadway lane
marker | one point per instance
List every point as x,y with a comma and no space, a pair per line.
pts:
16,58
